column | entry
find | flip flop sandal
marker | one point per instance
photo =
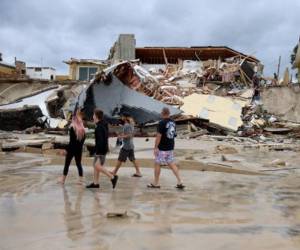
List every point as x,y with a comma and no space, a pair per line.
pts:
136,175
152,186
180,186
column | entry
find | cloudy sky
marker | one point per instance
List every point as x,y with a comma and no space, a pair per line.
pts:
48,32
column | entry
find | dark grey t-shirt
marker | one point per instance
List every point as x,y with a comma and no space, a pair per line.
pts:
128,142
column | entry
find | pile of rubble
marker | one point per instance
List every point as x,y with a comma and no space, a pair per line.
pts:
212,97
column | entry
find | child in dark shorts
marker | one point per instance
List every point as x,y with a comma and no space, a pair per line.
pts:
127,149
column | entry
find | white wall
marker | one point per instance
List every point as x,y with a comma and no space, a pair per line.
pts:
44,74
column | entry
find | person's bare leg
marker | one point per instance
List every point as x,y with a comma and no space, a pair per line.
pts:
96,175
100,168
137,168
62,179
81,180
175,170
156,174
117,167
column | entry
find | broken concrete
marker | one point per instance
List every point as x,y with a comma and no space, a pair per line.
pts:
20,118
283,102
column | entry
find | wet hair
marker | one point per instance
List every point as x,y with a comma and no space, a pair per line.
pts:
165,111
99,114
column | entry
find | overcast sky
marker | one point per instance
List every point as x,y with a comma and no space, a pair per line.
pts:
48,32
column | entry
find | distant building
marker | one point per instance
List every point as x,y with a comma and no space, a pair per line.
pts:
45,73
84,69
17,70
6,68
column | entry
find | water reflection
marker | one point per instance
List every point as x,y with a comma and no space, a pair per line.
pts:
73,215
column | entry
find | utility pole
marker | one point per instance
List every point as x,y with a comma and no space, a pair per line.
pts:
278,67
41,67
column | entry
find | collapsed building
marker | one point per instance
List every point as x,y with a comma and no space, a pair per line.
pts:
142,81
212,88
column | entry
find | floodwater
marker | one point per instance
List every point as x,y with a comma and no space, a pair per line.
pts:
216,211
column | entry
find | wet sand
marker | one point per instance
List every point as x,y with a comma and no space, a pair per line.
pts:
216,211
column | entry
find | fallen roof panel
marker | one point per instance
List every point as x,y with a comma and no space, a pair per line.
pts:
117,97
222,111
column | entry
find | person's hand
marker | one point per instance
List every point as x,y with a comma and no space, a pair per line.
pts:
156,151
62,152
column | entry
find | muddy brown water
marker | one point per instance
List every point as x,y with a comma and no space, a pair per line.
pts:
216,211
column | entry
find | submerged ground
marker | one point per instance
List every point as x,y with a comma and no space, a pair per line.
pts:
218,210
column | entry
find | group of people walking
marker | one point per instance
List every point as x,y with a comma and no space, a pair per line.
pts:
163,149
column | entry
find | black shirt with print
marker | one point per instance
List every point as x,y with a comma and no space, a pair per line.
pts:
167,129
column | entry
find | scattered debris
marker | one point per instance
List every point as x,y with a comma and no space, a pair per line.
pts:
208,97
220,149
20,118
122,214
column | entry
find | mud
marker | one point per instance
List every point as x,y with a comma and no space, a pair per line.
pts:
217,210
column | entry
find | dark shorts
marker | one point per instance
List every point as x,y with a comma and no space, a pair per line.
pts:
124,154
99,159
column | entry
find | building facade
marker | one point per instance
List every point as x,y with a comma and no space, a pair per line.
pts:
84,69
6,68
44,73
17,70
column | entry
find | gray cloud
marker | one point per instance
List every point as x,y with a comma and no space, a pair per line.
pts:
53,31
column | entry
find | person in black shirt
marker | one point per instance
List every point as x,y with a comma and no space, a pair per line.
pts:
164,148
101,149
75,146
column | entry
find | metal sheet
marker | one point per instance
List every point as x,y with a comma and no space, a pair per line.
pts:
117,97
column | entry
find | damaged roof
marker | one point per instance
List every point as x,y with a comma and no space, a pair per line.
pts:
156,55
143,108
86,61
7,65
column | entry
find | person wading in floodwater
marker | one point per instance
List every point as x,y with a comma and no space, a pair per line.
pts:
127,149
101,149
164,149
74,149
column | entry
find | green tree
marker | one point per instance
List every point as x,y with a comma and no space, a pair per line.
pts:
293,55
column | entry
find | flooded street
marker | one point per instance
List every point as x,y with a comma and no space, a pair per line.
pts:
216,211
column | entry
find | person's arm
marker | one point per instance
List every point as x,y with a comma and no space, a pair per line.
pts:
97,139
124,136
127,133
157,141
160,129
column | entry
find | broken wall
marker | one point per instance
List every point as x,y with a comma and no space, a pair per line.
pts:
124,48
282,102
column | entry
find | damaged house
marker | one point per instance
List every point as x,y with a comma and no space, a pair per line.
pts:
204,83
118,89
184,76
